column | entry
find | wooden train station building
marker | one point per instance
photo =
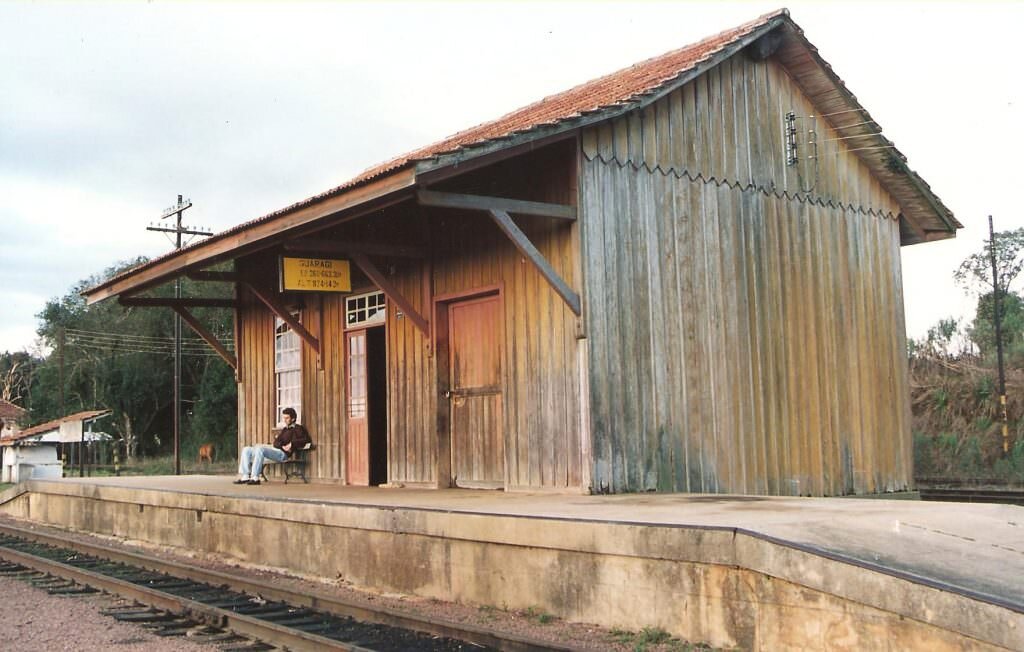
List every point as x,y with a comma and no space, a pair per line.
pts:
684,276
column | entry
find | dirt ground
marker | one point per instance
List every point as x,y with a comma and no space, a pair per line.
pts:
35,621
533,623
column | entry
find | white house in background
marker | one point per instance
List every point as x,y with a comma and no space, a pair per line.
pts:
32,453
10,414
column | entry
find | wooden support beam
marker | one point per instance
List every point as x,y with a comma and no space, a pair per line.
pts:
345,248
523,244
481,203
913,226
194,324
391,292
270,300
228,277
262,233
194,302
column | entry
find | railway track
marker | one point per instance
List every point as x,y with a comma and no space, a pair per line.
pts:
230,610
972,495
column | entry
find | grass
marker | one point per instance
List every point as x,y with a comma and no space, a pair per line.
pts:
654,638
538,615
163,465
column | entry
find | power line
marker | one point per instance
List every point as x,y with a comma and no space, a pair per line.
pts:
154,338
142,339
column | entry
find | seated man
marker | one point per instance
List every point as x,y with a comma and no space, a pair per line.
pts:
291,438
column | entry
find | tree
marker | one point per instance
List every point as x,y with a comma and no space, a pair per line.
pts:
982,331
16,376
120,358
975,275
976,270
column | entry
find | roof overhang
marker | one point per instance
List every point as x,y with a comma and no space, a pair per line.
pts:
295,221
923,216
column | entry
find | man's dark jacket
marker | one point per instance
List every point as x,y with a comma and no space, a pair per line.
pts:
295,434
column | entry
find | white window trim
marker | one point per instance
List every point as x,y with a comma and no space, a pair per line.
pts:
379,310
295,371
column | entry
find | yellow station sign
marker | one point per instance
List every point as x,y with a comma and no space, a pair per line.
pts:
315,275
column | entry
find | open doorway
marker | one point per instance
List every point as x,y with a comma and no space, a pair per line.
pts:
366,460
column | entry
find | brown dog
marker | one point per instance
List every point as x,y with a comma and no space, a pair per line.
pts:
206,453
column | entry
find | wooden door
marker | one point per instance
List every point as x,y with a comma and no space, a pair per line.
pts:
357,458
474,349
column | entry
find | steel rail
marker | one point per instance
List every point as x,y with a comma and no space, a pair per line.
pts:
289,638
312,599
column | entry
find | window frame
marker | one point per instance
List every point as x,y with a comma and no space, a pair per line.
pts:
379,308
292,369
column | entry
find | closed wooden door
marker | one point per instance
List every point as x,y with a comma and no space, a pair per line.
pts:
477,440
357,458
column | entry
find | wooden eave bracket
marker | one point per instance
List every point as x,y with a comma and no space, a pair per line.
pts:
279,309
525,247
482,203
181,307
499,208
207,336
189,302
913,226
390,291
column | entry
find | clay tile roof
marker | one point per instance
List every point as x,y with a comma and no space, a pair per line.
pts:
617,88
87,415
610,91
9,410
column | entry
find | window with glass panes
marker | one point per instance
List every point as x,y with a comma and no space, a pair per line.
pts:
287,369
364,309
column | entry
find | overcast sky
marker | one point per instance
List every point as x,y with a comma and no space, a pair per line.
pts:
108,111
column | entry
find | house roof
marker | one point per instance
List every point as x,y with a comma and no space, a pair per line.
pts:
9,410
55,424
594,101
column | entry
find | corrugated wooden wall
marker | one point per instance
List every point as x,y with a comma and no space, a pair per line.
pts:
256,363
322,390
745,336
541,385
540,391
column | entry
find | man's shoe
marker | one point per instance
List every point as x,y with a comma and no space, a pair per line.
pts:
241,481
253,482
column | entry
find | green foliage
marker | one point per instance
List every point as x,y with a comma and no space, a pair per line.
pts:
538,615
945,338
214,417
650,638
982,329
969,461
121,359
976,270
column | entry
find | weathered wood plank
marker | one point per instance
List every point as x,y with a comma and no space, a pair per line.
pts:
527,248
392,292
482,203
284,314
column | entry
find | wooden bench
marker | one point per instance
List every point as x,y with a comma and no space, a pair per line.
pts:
294,466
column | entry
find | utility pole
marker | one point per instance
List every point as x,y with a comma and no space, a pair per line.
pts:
997,312
60,357
178,230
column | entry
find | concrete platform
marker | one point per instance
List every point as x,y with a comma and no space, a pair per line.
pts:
749,572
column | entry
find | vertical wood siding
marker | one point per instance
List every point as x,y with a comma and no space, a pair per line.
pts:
322,389
540,401
745,335
540,391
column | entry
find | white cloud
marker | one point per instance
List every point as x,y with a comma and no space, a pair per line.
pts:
111,109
